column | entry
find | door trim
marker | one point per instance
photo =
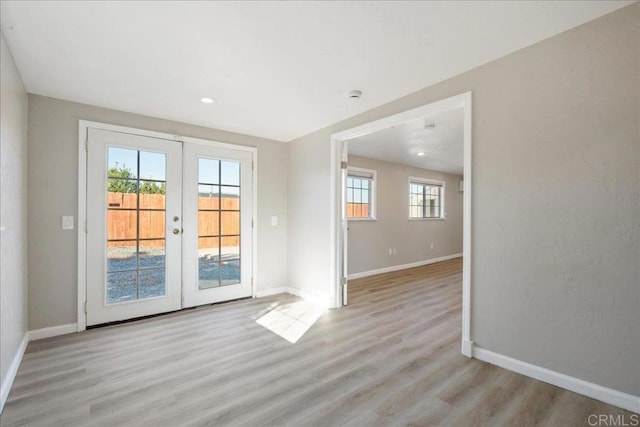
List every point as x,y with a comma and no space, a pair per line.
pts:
338,239
83,132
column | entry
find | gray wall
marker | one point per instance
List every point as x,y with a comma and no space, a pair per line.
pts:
369,241
13,209
53,183
556,207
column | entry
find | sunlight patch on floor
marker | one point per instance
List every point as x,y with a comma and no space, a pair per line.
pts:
291,320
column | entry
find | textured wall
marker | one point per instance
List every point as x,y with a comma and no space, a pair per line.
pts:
13,209
369,241
53,183
556,201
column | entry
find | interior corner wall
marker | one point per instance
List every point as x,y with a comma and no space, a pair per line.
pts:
53,184
369,241
13,210
555,277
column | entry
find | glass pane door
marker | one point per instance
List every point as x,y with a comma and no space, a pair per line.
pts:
136,223
217,224
134,198
170,225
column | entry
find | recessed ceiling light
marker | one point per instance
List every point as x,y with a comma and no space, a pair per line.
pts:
420,154
206,100
354,94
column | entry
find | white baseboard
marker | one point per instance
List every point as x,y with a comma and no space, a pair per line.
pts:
467,348
5,387
322,300
401,267
594,391
53,331
37,334
273,291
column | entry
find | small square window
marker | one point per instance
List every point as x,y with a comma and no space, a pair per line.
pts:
426,199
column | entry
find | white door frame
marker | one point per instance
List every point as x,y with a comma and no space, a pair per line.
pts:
83,131
338,240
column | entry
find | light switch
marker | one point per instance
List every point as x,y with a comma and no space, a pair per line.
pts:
67,223
274,220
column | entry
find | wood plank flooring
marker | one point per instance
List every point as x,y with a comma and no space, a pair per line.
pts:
392,357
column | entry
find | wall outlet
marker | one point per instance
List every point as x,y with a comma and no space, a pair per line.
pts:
390,251
395,251
431,245
274,220
67,223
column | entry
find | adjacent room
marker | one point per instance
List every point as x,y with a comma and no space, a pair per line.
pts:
404,195
319,213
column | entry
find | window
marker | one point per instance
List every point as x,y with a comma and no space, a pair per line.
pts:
361,193
426,199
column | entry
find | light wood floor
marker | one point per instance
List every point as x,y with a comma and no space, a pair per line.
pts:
392,357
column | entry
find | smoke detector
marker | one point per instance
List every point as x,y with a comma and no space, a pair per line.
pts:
429,125
355,94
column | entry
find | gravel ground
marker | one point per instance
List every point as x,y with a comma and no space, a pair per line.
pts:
125,285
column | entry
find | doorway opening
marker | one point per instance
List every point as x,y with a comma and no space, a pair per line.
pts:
354,190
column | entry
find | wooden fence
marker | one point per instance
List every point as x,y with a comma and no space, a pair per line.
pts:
357,210
121,223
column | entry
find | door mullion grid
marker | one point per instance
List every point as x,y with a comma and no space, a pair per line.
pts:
219,223
138,225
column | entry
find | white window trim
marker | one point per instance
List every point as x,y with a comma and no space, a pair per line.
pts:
418,180
372,191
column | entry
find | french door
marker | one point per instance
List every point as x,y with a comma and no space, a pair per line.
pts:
168,225
217,205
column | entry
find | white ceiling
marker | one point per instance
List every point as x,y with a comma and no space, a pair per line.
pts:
278,70
443,145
